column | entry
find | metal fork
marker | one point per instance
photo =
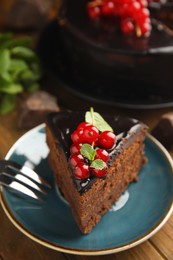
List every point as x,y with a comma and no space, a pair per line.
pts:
23,179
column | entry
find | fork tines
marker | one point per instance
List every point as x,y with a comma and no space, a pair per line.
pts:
23,179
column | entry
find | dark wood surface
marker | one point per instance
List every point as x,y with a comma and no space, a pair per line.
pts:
15,245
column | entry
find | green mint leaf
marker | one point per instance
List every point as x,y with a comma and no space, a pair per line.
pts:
97,164
4,61
23,53
11,88
28,76
18,65
98,121
20,69
88,152
5,78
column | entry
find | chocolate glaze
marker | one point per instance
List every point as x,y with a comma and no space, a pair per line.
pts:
62,124
98,56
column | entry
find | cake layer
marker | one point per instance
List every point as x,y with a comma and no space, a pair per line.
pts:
103,197
126,159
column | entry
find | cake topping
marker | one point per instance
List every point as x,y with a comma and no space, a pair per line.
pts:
133,16
100,173
75,148
102,154
75,159
81,171
87,163
106,139
89,143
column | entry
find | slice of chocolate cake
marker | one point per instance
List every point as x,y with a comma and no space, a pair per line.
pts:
91,194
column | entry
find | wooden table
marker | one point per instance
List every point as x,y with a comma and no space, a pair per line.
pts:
14,245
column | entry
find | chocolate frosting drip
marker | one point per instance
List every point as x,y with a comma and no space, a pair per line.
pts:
63,124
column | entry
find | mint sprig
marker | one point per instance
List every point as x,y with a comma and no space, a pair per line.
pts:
88,152
97,164
97,120
20,70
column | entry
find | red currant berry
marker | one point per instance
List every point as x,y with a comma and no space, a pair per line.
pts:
106,139
75,159
94,12
90,134
75,148
76,136
142,15
108,8
127,26
143,3
100,173
102,154
118,11
82,125
134,7
145,26
81,171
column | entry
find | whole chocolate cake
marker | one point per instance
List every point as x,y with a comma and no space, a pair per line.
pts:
99,58
91,183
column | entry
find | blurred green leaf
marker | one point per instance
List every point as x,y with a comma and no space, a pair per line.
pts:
11,88
3,81
29,75
4,61
7,103
20,69
23,53
16,68
5,78
18,65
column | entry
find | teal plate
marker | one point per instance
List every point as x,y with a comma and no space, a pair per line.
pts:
140,212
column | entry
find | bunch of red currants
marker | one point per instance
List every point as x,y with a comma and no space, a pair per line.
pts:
134,15
87,133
